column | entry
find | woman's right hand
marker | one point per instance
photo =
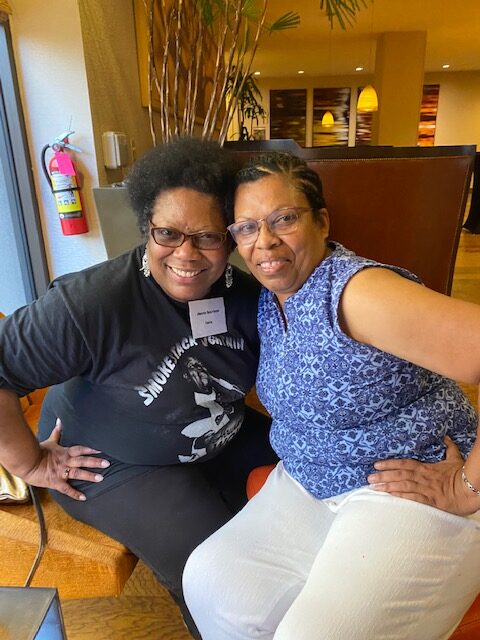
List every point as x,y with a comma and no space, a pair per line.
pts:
57,465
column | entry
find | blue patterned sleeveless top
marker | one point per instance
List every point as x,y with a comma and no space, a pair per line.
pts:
339,405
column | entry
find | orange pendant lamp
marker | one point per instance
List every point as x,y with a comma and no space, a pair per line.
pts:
367,100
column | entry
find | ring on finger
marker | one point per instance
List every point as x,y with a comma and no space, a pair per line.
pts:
66,472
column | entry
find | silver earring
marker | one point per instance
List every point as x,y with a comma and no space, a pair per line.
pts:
145,268
228,276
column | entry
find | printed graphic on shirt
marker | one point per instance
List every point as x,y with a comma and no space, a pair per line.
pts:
154,386
216,395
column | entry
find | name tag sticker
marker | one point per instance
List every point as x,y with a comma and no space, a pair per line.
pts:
207,317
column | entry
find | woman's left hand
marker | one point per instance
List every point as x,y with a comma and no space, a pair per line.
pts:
437,484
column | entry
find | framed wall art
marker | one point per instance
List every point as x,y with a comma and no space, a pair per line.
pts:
363,126
428,115
259,133
337,102
288,114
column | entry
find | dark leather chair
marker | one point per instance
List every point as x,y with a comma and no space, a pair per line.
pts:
472,223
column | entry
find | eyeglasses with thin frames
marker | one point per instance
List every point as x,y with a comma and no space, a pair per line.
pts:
280,222
204,240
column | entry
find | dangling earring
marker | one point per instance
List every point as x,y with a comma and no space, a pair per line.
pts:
228,276
145,268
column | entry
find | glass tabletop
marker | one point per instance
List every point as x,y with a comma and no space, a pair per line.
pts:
31,613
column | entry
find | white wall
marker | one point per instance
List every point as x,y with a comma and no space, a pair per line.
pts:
77,61
50,64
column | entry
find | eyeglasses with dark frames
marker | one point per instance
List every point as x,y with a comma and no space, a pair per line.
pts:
204,240
280,222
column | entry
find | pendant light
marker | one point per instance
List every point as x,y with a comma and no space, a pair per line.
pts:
327,120
368,99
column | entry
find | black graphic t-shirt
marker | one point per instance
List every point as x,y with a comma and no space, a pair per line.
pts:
134,383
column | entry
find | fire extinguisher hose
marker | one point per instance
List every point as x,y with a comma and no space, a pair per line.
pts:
47,175
44,166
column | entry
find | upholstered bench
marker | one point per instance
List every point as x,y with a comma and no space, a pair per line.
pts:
79,561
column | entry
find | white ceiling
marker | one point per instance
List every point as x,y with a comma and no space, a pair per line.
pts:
452,26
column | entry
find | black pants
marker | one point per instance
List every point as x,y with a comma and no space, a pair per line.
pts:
162,513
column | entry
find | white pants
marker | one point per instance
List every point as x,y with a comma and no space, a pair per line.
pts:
360,566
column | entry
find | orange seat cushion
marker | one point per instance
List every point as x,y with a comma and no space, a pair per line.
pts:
469,627
257,478
79,561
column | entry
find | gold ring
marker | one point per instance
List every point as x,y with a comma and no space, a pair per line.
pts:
66,471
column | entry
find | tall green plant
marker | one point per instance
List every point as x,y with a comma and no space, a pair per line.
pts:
249,104
192,33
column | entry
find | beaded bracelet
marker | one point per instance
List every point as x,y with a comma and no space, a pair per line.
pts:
468,483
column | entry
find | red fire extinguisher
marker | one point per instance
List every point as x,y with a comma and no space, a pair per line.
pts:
63,179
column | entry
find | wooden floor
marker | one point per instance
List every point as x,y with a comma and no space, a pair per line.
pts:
144,610
466,282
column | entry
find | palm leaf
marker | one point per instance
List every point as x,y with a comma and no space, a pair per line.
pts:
289,20
251,11
205,8
344,11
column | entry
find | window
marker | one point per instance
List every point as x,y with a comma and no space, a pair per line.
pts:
24,274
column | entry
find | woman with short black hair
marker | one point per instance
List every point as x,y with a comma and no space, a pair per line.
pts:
150,456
